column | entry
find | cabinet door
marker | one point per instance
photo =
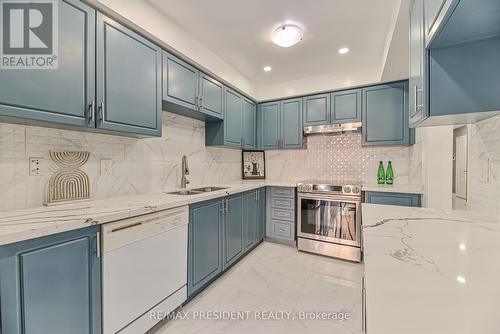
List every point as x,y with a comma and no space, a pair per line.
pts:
211,92
129,80
249,121
261,223
345,106
432,10
233,118
269,119
417,64
251,218
385,114
60,95
316,109
291,123
233,230
180,82
205,244
399,199
51,284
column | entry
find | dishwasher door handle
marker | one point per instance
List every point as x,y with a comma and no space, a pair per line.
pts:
121,228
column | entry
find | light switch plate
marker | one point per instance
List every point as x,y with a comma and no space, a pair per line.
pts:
36,166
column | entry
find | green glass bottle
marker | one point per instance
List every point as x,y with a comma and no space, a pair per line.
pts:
380,173
389,175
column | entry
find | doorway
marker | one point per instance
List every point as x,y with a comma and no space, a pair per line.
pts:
460,167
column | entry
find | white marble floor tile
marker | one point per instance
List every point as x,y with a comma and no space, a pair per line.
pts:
283,285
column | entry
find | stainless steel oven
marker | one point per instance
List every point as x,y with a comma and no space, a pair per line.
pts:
329,220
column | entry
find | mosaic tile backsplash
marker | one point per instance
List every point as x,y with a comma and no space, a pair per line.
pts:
153,164
342,157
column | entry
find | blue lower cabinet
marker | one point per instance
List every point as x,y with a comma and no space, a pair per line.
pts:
386,198
204,243
233,230
254,217
51,284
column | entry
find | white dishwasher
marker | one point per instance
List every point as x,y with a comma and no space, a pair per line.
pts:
144,269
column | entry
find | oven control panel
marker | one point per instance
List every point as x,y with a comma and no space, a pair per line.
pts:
347,189
304,187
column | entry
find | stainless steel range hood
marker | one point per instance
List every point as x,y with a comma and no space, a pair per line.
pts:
332,128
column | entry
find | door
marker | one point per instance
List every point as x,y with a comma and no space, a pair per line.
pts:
385,114
461,167
329,218
261,223
51,284
316,109
233,230
269,115
180,82
233,118
249,121
345,106
129,80
204,244
62,95
211,92
251,218
417,64
291,123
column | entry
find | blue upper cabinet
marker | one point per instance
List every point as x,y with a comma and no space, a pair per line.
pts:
62,95
269,125
51,284
180,83
345,106
129,93
316,109
385,114
211,96
291,123
233,118
249,124
429,11
418,105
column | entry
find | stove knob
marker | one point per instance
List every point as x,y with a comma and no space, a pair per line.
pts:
347,189
356,190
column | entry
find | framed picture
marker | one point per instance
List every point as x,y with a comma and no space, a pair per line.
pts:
253,165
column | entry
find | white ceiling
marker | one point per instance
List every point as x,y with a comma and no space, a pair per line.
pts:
240,33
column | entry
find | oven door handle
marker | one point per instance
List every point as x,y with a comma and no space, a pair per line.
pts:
330,198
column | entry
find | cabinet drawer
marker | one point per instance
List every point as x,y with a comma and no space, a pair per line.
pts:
282,214
282,229
283,192
399,199
283,203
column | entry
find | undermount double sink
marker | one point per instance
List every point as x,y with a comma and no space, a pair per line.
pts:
196,191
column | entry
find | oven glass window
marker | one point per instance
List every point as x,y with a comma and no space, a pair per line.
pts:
329,219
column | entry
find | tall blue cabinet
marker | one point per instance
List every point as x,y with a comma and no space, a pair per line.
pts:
51,284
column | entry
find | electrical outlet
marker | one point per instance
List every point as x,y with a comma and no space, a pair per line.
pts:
106,166
36,166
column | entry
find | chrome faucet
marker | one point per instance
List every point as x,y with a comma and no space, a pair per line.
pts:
185,171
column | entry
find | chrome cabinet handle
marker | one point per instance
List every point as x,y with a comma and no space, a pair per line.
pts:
201,103
227,204
91,111
222,206
241,142
98,244
416,107
102,112
197,102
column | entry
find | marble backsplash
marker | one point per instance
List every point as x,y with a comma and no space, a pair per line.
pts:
484,163
153,164
137,165
342,157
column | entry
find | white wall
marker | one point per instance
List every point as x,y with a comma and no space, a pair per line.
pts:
437,161
152,20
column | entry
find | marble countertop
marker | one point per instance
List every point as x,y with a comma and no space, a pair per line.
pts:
24,224
405,189
430,271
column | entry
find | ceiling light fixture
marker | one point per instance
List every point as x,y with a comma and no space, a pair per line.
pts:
343,51
287,35
267,68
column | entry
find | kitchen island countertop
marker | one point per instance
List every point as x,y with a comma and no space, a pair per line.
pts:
430,271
